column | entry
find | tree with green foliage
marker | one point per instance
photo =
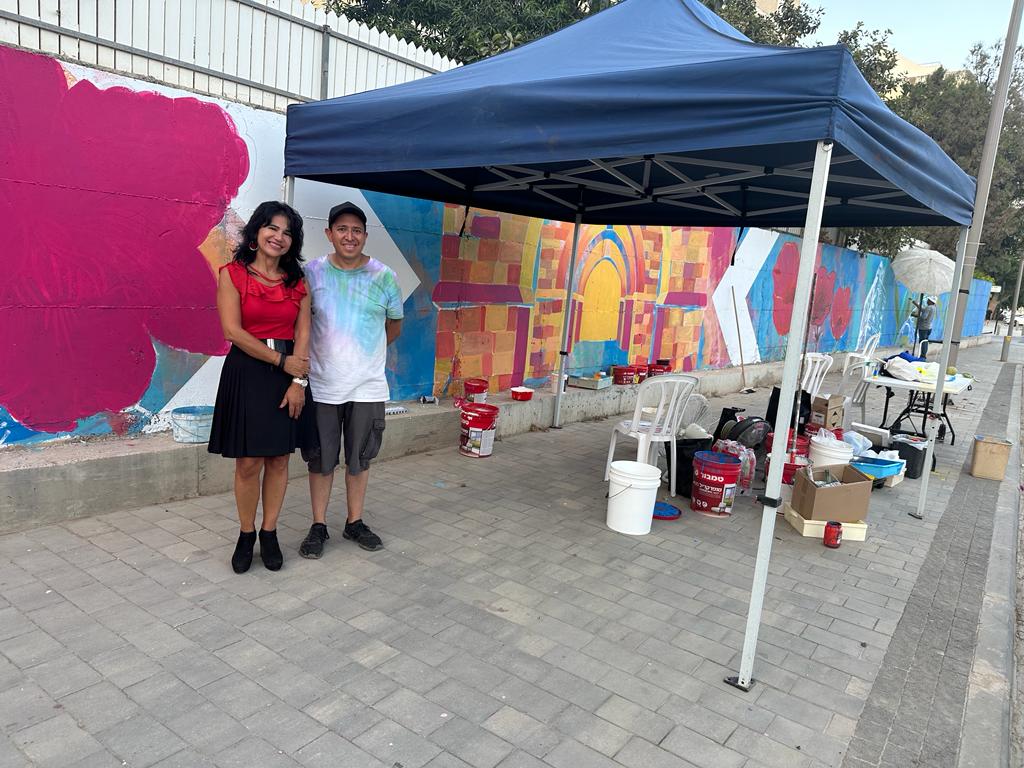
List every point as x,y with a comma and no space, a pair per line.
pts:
466,30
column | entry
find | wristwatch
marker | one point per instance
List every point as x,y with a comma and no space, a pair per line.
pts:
301,382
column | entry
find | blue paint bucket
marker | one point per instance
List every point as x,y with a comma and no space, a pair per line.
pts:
192,423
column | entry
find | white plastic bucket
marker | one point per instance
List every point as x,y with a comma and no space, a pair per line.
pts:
826,453
191,423
632,492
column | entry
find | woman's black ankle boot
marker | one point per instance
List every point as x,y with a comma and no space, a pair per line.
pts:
242,558
270,550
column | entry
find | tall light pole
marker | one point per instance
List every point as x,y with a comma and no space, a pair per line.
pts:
1013,315
988,162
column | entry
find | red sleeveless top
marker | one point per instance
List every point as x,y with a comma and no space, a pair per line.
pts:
268,312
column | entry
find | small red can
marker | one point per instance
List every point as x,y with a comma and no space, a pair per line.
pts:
833,534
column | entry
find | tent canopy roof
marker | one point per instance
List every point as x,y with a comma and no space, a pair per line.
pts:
650,112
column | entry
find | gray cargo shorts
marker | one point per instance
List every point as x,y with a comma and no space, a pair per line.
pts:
359,426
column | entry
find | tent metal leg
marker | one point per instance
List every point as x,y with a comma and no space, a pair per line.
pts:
288,190
773,484
563,353
957,297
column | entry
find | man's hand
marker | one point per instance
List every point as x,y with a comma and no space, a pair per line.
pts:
294,400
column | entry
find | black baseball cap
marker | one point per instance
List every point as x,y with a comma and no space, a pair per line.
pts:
346,207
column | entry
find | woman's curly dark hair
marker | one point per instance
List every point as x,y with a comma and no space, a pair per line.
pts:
291,262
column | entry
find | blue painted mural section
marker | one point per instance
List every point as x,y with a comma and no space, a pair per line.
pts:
415,226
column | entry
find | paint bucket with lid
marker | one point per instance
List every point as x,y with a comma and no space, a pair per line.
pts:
476,390
632,493
715,476
479,424
192,423
624,374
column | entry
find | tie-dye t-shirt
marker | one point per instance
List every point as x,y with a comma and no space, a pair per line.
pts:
348,345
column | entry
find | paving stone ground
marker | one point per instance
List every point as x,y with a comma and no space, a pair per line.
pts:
503,625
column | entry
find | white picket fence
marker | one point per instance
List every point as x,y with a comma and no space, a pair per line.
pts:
268,53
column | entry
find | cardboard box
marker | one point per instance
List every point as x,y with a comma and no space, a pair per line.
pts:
816,528
828,411
991,455
845,503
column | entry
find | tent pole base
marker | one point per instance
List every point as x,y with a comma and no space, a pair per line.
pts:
734,681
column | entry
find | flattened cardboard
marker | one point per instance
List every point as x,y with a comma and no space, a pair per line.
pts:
846,503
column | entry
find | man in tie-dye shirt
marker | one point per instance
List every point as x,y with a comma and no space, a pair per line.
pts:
357,312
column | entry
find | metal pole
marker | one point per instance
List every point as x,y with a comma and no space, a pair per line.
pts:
955,298
325,61
1004,356
563,353
988,162
787,394
288,190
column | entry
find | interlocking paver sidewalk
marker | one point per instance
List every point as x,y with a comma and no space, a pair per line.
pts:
504,626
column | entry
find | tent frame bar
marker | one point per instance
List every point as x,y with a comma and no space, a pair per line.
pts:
563,354
636,193
787,395
931,424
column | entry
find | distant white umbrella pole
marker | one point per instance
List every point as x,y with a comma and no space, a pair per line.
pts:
988,162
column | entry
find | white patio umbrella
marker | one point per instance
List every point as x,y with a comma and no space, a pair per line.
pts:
923,270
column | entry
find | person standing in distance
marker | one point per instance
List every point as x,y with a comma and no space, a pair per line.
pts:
925,314
357,312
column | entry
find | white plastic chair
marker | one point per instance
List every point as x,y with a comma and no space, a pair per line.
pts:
865,370
671,391
816,366
862,355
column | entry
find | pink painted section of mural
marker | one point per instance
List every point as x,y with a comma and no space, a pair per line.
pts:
108,196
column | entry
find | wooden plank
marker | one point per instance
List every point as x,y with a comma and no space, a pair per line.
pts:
271,50
105,31
140,35
67,15
244,67
87,24
216,36
257,50
186,41
293,66
172,39
229,39
9,32
283,47
122,15
29,36
156,37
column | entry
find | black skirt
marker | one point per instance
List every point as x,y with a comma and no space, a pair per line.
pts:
247,421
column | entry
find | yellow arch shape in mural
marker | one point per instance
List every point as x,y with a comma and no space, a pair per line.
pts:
601,298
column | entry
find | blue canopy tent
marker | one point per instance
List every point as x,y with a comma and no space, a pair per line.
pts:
650,112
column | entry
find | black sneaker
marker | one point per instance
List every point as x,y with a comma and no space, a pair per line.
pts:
363,536
313,545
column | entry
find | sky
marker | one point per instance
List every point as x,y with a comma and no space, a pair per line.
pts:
922,30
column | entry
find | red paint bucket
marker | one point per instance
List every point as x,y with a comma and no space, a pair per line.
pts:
641,371
833,535
479,423
714,483
624,374
803,445
655,369
476,390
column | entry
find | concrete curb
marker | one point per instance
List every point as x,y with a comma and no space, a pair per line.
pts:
61,481
986,730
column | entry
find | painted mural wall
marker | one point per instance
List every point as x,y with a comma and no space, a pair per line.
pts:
125,197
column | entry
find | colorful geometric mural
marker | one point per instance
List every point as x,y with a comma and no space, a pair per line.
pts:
125,197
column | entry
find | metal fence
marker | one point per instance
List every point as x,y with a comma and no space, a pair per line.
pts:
268,53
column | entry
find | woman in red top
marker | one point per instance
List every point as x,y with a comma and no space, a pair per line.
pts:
265,313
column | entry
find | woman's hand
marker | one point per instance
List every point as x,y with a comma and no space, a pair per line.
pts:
296,366
294,399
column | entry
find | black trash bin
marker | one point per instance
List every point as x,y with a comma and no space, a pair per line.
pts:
686,448
913,453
